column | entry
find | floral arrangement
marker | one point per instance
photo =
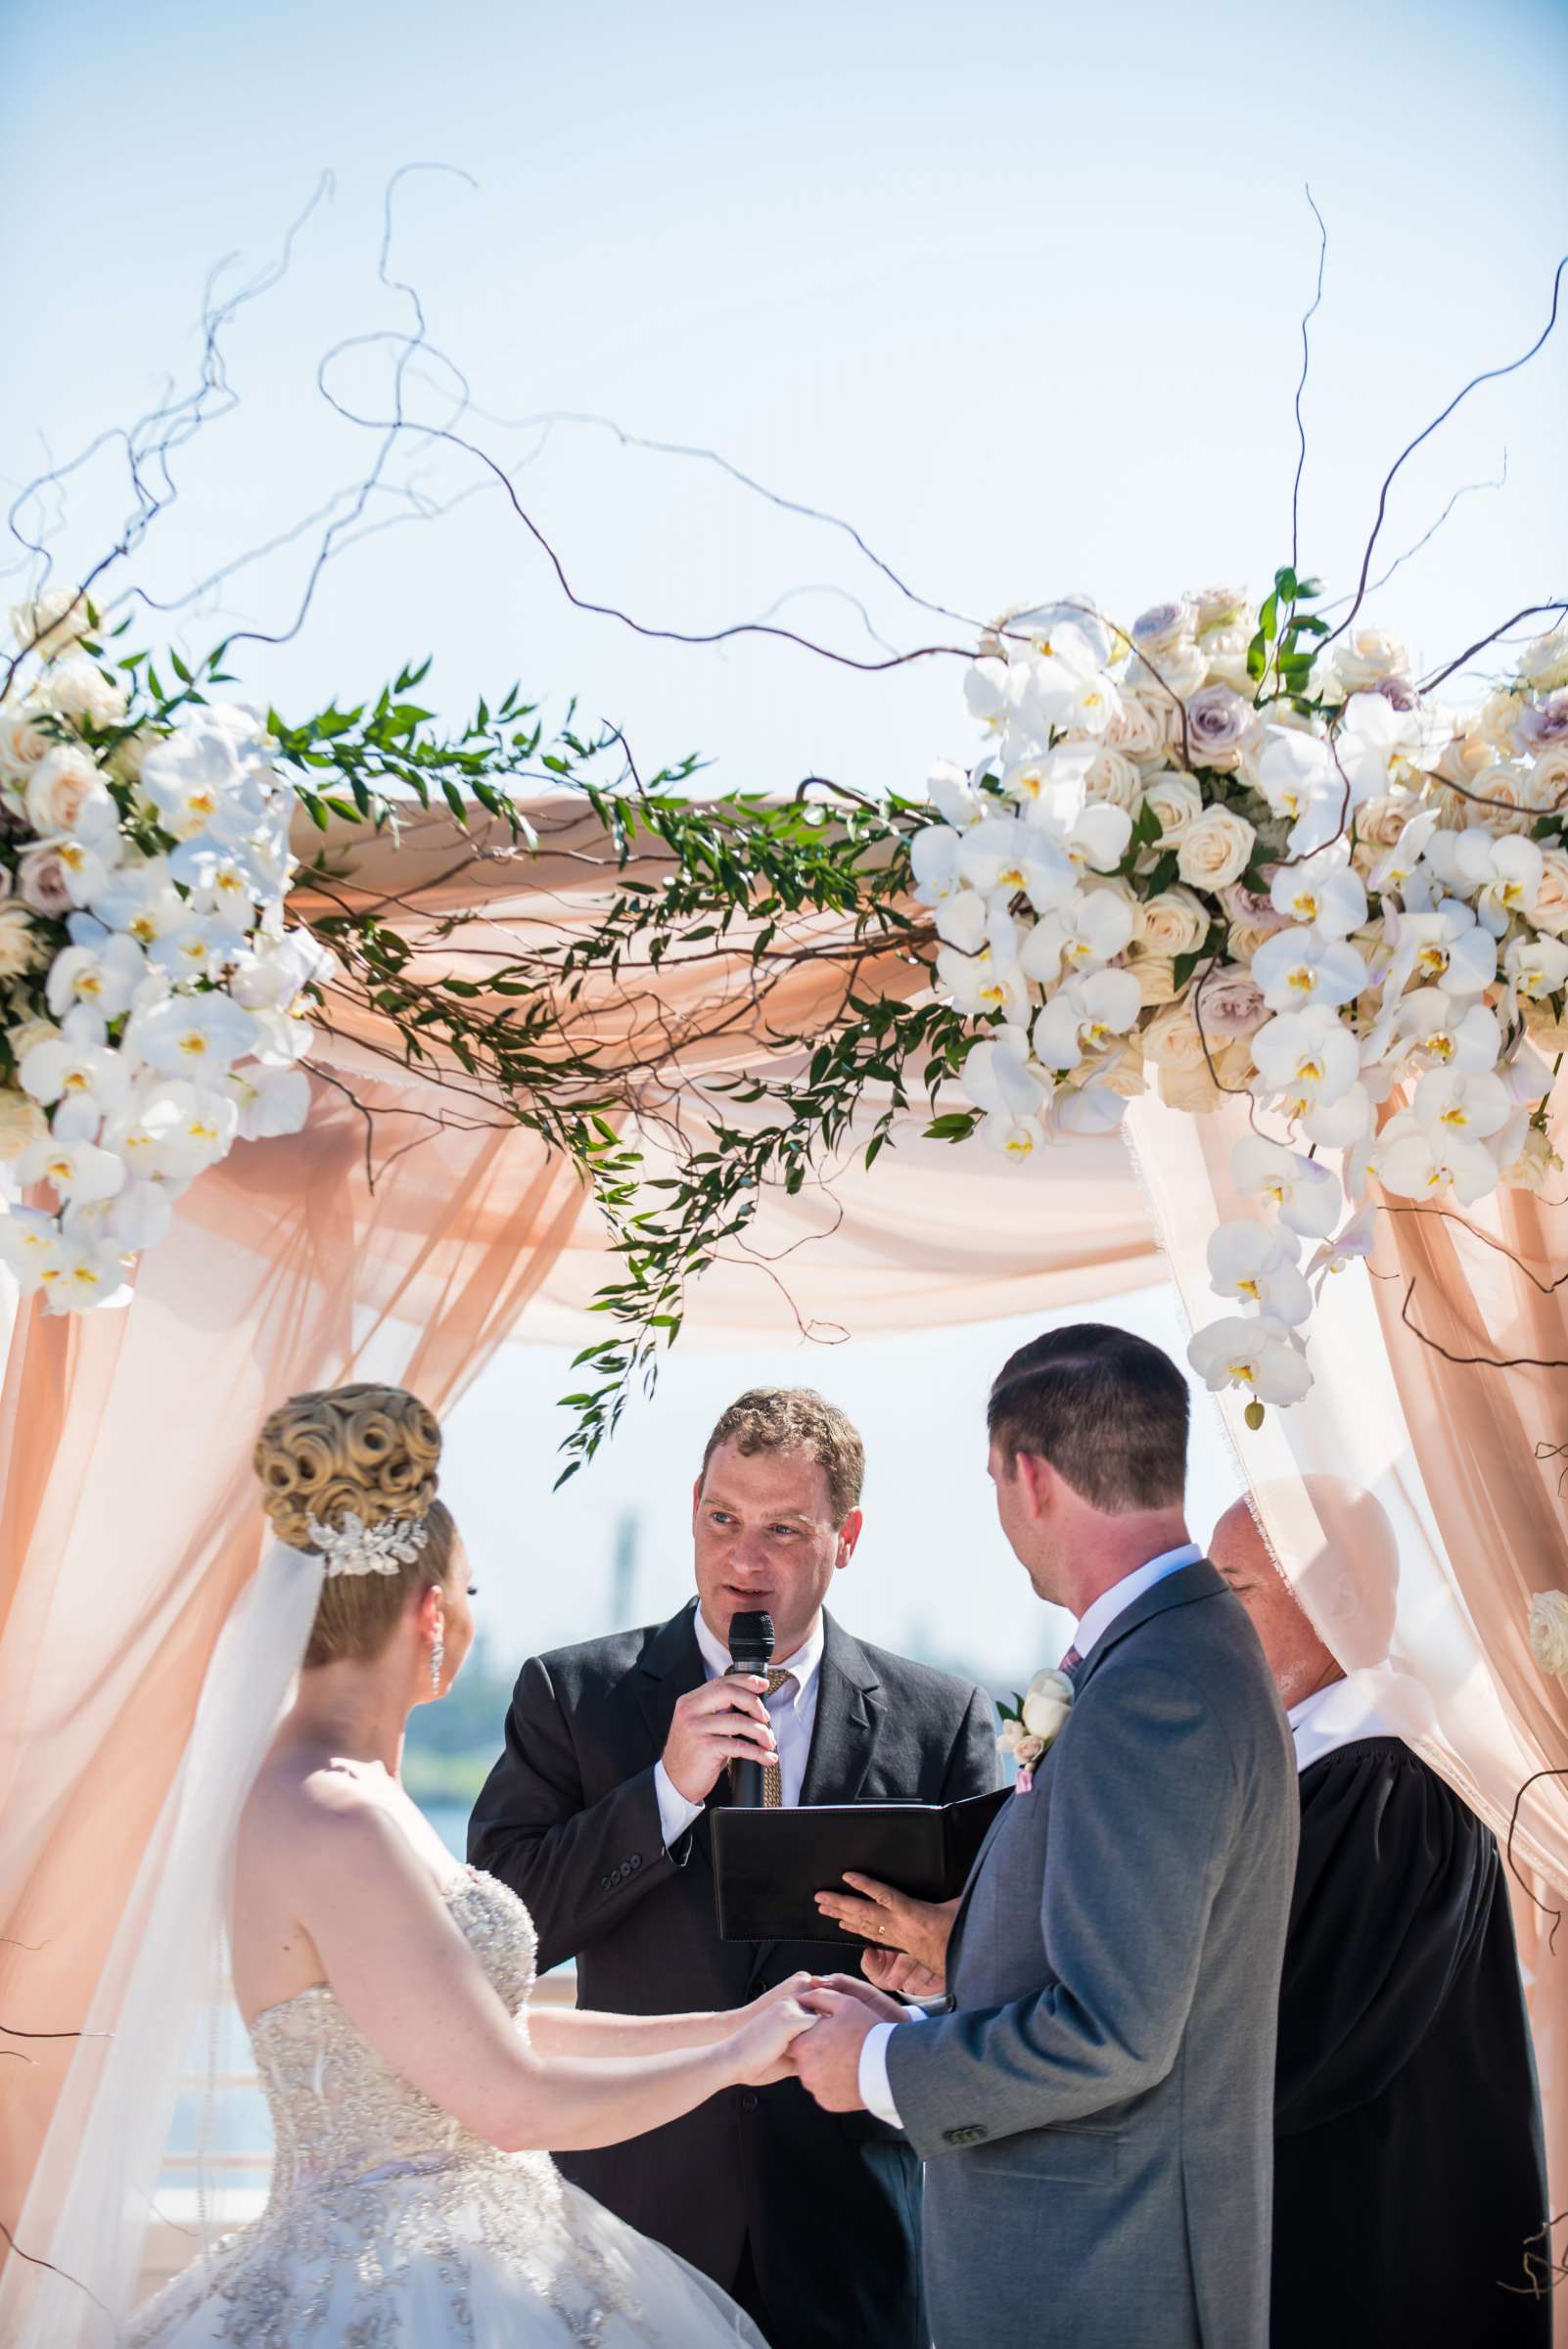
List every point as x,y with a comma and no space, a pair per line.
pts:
151,998
1231,851
1032,1722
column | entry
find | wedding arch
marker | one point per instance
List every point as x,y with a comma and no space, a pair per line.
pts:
354,1047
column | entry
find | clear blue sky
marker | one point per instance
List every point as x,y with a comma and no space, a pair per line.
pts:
1019,293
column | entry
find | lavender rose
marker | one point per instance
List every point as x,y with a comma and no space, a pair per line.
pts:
41,883
1229,1002
1219,722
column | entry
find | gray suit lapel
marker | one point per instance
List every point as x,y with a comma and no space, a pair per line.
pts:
1200,1580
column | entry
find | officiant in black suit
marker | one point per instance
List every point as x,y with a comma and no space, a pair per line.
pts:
1409,2173
596,1815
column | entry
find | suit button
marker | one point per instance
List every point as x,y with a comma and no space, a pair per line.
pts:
970,2134
604,1883
748,2102
635,1861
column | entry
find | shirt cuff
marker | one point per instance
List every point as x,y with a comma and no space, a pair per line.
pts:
675,1812
875,2094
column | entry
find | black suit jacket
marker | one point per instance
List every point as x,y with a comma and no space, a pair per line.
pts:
824,2208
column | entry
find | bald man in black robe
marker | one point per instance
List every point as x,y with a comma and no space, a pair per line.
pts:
1408,2170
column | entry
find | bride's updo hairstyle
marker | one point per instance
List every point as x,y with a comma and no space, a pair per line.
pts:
369,1452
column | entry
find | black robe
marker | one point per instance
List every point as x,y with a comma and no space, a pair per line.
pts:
1408,2169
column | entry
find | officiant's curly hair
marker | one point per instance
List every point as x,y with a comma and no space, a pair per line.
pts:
372,1451
797,1419
1107,1409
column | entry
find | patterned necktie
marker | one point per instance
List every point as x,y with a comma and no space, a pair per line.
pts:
772,1779
1071,1661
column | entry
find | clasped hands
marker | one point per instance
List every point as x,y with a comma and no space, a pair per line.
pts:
833,2013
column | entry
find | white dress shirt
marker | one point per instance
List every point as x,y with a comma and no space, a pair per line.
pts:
791,1711
1093,1625
1333,1717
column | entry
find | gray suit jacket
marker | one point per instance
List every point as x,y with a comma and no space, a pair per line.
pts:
1097,2114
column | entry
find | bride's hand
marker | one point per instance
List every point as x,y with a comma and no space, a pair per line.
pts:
780,1994
761,2046
850,1986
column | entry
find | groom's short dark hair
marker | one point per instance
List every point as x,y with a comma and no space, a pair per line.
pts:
1106,1408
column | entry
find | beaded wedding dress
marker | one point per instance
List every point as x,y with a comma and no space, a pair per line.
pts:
390,2227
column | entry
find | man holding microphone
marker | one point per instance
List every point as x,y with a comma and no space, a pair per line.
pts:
596,1815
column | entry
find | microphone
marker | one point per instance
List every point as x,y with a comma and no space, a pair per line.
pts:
750,1650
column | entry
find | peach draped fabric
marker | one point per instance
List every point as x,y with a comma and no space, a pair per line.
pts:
404,1233
1427,1593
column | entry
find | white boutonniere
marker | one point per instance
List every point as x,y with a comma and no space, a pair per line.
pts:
1032,1723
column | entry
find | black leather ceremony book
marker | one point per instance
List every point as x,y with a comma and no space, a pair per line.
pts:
770,1865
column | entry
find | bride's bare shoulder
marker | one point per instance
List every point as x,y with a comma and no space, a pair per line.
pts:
311,1804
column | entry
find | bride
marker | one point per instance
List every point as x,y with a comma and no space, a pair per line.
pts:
412,2090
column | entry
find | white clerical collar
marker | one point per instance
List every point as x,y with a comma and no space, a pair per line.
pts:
1098,1617
804,1663
1333,1717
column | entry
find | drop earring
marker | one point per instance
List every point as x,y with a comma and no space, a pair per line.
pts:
437,1656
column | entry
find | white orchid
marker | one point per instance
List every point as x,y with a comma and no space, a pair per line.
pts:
1395,866
141,900
86,1080
1253,1352
274,1101
135,1217
1294,772
191,1128
953,796
102,977
1089,928
1426,1162
1306,1059
1305,1192
1351,1245
1444,947
1050,789
198,947
1339,1123
990,693
1323,891
1000,1077
1441,1031
1085,1016
1299,967
993,855
280,970
78,1279
1468,1105
222,883
1535,966
1259,1264
1096,840
1377,747
76,1169
934,862
1013,1137
86,865
196,1037
30,1243
1500,874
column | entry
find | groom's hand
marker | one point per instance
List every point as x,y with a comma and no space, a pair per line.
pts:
827,2057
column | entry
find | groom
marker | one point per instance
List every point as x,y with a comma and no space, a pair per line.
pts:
597,1815
1097,2111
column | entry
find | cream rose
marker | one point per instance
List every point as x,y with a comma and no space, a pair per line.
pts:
1544,663
1550,909
23,740
51,623
1191,1091
1174,922
1549,779
1503,797
1156,976
1047,1705
22,949
1114,779
1175,802
61,787
1175,670
1171,1039
1535,1164
1125,1074
1548,1631
1141,728
21,1123
77,688
1215,850
1364,656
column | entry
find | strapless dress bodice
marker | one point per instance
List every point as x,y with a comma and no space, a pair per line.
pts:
338,2110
